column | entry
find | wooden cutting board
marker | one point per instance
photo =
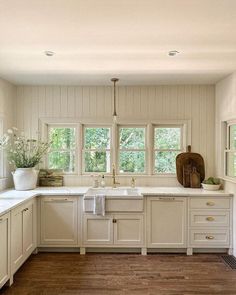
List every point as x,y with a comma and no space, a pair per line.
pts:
189,158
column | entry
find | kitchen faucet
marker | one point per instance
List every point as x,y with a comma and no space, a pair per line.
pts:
114,182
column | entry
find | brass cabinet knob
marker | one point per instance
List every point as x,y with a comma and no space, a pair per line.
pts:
114,220
210,203
210,237
210,218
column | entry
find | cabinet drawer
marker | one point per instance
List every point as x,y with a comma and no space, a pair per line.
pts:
209,238
209,203
209,218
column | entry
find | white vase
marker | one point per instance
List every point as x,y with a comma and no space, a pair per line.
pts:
25,178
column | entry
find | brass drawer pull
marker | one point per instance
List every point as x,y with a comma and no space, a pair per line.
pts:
210,218
210,204
210,237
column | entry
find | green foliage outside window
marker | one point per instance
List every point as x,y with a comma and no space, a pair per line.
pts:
132,150
62,153
167,138
96,149
167,144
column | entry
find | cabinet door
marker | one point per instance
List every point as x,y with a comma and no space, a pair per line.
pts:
59,221
166,222
17,252
28,228
97,230
128,229
4,249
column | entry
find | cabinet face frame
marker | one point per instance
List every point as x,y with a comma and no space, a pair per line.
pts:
59,242
150,243
5,222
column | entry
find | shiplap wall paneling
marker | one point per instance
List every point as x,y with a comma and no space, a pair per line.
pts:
190,102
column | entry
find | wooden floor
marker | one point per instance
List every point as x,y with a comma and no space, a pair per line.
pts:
155,274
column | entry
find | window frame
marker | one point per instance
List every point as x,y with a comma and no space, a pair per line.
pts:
114,140
76,149
182,145
118,150
83,149
227,149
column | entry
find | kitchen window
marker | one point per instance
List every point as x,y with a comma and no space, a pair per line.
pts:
230,151
63,151
168,143
132,149
96,149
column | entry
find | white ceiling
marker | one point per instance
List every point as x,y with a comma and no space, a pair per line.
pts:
97,39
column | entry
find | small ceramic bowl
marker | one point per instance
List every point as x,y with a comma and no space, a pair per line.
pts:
211,187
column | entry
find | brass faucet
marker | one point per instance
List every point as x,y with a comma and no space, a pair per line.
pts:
114,182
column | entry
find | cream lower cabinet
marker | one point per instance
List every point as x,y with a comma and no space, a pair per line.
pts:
166,222
4,249
128,229
210,223
23,233
113,230
97,230
59,220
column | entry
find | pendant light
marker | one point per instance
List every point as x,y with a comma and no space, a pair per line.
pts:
114,80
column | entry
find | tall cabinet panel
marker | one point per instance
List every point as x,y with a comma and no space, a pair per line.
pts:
166,222
59,221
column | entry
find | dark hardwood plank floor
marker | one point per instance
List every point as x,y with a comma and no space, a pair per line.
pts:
118,274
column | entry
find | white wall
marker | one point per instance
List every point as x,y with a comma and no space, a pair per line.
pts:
196,103
225,110
7,116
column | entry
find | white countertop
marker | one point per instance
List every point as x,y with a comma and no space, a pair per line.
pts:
11,198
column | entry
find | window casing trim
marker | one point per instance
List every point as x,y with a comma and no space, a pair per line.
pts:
225,144
43,122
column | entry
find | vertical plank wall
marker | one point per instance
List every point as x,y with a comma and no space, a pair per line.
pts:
7,117
192,102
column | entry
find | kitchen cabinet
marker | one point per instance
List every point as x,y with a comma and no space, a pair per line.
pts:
210,223
4,249
166,222
128,229
113,229
97,230
23,233
59,221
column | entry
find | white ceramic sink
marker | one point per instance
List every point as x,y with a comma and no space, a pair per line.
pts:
114,192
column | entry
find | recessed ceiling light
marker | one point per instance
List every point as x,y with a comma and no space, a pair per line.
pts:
49,53
173,52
